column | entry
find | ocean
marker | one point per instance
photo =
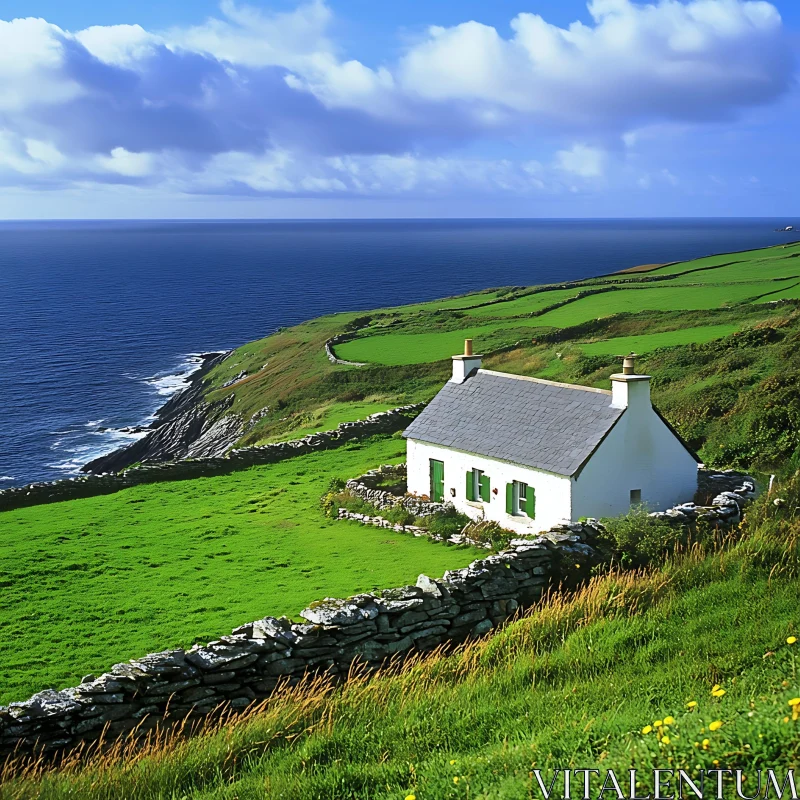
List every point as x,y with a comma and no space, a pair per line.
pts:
101,321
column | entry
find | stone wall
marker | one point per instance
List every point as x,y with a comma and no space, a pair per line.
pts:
236,670
152,472
730,492
333,358
367,487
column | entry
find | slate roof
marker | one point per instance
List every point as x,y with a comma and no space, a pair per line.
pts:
534,423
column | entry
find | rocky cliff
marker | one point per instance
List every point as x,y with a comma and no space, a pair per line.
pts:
185,427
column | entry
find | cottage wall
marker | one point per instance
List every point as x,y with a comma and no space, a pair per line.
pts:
640,452
552,491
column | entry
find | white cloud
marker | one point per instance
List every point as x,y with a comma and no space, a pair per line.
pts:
665,60
265,103
131,165
582,160
122,45
296,39
31,58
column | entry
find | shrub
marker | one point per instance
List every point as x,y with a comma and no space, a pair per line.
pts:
398,515
637,539
332,501
446,523
487,532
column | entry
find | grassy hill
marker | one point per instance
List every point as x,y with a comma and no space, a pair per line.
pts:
567,332
691,665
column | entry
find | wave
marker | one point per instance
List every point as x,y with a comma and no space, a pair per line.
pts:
7,478
96,438
170,382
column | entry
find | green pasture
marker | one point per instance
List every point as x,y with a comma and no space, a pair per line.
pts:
652,341
655,298
775,252
524,305
691,666
450,303
417,348
790,291
329,415
88,583
392,349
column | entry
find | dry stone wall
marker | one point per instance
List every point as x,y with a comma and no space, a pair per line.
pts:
152,472
246,666
368,488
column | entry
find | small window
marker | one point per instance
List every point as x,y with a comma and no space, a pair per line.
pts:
521,499
478,486
636,497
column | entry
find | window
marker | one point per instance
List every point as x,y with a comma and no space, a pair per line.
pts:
636,497
521,499
479,486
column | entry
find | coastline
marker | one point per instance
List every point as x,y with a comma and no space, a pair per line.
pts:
178,402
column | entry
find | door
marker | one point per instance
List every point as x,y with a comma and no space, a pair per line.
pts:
437,480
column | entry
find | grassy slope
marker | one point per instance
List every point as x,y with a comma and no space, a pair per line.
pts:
289,375
647,342
572,685
87,583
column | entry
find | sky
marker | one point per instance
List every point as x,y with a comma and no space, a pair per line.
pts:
358,108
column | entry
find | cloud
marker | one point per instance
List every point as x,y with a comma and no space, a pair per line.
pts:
582,160
692,61
251,102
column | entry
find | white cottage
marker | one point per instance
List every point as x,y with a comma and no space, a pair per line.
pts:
529,453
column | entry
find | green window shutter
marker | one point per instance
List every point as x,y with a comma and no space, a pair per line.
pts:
470,485
486,488
509,498
531,502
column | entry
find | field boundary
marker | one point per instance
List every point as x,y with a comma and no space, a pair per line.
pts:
383,422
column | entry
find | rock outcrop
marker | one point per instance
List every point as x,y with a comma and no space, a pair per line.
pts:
182,423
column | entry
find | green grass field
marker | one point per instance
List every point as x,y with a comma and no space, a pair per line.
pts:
652,341
524,305
774,253
88,583
392,349
329,416
601,680
418,348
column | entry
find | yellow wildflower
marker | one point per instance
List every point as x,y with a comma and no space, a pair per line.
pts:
669,720
794,701
697,744
665,740
706,743
452,761
692,704
718,692
786,719
455,779
791,639
658,723
715,687
715,725
647,729
411,797
715,762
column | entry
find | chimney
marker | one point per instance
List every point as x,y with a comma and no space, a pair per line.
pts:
630,389
464,365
